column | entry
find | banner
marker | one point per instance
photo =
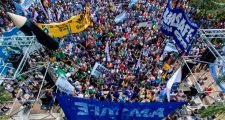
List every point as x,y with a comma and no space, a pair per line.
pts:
213,72
176,24
87,109
99,70
76,24
120,17
13,32
26,4
64,85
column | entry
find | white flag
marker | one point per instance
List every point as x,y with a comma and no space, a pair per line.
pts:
64,85
174,79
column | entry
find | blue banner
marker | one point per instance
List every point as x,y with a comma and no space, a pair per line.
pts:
13,32
176,24
132,2
87,109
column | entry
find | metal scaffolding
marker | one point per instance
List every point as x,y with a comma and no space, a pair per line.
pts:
206,37
26,46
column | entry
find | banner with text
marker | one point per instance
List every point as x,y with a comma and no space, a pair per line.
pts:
87,109
76,24
98,70
176,24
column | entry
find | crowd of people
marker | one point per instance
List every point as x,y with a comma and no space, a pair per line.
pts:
138,73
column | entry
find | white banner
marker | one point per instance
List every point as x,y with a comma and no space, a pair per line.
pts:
99,70
64,85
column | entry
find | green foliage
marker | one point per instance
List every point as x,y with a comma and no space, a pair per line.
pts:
220,79
214,109
5,95
210,8
4,117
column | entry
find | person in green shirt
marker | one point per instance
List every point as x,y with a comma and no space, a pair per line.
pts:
100,81
110,34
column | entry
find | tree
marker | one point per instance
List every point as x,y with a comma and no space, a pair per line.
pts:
214,9
215,109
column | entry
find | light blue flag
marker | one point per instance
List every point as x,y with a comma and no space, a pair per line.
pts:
18,7
27,3
132,2
120,17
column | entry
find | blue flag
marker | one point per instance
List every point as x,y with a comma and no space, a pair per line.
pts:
18,7
87,109
176,24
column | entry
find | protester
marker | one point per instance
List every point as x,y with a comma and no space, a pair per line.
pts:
131,52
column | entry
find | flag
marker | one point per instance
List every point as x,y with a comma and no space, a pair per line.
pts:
138,66
64,85
132,3
35,15
107,52
120,17
43,4
18,7
26,4
174,79
168,48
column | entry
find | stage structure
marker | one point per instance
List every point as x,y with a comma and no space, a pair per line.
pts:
24,47
206,37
